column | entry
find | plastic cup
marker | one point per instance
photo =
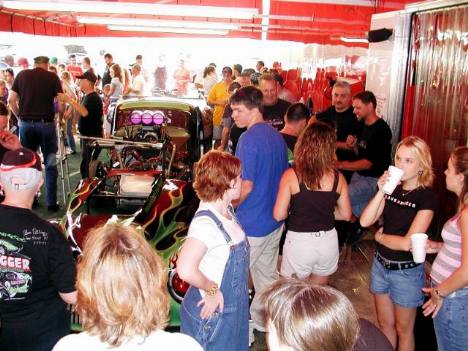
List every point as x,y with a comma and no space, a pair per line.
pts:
394,178
418,247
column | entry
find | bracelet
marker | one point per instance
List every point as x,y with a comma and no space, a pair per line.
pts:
439,294
212,291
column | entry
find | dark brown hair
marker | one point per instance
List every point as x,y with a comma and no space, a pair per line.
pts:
249,96
213,174
314,154
367,97
459,158
208,70
117,72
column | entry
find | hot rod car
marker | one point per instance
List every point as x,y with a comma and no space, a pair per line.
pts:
144,179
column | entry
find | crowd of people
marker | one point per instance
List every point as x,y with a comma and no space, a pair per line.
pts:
282,193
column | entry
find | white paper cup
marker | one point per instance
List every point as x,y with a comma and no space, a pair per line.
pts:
394,178
418,247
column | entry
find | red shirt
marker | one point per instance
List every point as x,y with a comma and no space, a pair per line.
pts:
74,70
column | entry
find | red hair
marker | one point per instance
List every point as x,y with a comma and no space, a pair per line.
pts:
213,174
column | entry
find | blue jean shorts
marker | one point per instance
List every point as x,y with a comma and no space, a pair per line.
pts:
404,286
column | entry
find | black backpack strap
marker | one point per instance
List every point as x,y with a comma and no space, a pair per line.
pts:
219,224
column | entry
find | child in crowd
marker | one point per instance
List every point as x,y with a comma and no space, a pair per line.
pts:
449,276
396,280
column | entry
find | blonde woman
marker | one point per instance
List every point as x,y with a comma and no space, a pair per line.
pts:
122,298
396,280
304,317
69,115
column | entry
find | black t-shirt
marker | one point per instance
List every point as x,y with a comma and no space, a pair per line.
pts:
36,264
400,209
106,78
91,125
37,89
290,141
345,123
371,338
376,146
274,115
234,136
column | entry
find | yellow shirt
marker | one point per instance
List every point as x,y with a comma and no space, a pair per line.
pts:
217,93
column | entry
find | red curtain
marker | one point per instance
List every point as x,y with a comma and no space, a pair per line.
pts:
436,106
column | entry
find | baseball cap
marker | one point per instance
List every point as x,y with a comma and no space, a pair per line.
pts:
88,75
23,61
20,169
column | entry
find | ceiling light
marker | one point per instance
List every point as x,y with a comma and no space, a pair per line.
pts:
143,22
354,40
133,8
167,30
365,3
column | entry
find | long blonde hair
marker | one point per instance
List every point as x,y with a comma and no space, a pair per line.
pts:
121,285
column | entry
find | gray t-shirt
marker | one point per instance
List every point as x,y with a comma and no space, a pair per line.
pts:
118,87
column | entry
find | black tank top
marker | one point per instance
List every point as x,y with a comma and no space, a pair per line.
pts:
313,210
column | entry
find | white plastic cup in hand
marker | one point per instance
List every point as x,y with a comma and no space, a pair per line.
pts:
394,176
418,247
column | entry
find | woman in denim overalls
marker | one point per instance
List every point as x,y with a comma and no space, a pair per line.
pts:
215,308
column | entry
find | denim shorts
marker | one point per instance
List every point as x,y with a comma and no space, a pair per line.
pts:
403,286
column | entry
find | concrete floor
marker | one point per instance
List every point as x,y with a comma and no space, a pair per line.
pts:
352,278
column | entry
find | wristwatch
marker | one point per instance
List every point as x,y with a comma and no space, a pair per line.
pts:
212,291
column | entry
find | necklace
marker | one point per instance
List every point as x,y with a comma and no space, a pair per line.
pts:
403,193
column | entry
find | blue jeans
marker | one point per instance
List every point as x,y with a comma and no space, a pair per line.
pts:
451,323
44,135
361,190
70,139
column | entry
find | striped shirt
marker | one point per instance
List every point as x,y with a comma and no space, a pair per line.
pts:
449,257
